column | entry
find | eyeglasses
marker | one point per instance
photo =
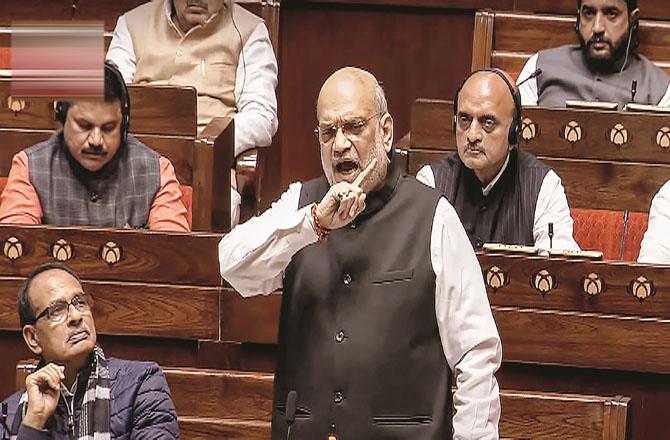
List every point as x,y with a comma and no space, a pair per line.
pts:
352,130
58,311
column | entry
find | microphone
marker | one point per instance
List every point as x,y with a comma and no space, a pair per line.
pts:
533,75
551,235
633,91
291,401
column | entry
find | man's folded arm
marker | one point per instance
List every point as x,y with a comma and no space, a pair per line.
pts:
468,332
254,255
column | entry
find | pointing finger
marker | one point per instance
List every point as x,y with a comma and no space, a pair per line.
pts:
361,177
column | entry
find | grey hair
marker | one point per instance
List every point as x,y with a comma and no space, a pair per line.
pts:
381,106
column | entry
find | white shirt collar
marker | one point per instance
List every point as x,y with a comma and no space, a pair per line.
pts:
487,189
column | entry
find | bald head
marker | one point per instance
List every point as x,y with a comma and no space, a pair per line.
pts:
487,85
349,85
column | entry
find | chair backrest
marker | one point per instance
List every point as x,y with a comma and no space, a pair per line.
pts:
596,229
164,118
606,160
508,39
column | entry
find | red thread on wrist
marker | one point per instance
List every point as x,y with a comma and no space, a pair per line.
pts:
321,232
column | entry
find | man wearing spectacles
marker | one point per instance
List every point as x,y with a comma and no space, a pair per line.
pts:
382,295
76,392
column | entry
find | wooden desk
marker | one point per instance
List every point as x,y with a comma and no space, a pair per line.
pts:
580,145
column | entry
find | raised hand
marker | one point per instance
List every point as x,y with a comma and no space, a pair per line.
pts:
343,202
43,387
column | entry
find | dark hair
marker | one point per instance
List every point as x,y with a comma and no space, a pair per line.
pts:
632,5
115,89
26,312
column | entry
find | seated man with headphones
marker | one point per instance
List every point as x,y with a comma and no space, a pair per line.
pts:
501,194
93,173
604,67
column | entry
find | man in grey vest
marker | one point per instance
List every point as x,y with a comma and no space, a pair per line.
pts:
93,173
383,297
501,194
604,67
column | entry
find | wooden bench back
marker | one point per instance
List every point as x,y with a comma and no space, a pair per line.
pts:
214,403
164,118
595,170
508,39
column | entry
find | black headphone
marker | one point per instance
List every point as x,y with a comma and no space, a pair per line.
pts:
515,129
61,107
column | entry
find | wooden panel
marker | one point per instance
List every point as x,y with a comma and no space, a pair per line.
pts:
12,10
216,393
409,34
432,129
655,9
589,184
444,4
561,416
13,141
569,296
108,11
609,185
166,110
197,428
249,320
177,312
583,340
180,151
528,33
145,257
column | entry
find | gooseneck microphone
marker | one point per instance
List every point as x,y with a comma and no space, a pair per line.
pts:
533,75
633,91
551,235
291,402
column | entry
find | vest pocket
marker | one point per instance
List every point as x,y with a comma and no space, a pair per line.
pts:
393,276
301,412
401,420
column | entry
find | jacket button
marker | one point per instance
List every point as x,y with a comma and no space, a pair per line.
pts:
483,207
346,279
94,197
179,52
479,243
352,225
339,337
339,397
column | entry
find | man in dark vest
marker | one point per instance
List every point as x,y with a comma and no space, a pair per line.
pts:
383,297
501,194
93,173
604,67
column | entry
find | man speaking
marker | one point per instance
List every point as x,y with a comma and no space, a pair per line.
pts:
383,297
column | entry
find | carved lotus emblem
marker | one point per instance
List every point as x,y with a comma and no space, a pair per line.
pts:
619,135
529,130
573,132
496,278
13,248
111,253
544,282
663,138
61,250
16,105
641,288
593,285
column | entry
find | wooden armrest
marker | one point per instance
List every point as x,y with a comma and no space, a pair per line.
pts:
215,148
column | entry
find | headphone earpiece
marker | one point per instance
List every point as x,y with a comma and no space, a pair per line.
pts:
514,134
